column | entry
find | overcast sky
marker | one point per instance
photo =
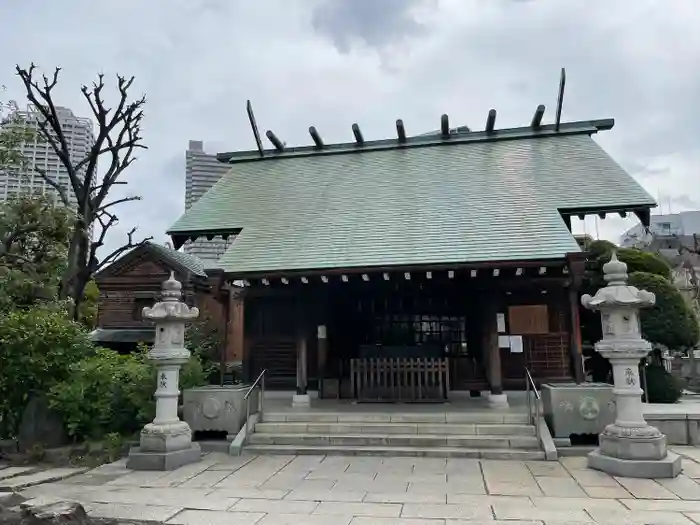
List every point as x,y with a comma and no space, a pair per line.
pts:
330,63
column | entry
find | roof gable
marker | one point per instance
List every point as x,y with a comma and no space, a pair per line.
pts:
170,258
457,202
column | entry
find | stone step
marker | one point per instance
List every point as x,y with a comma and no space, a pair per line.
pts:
473,417
436,452
398,440
461,429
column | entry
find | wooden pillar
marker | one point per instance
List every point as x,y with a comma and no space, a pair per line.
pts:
236,350
322,357
497,398
576,263
301,364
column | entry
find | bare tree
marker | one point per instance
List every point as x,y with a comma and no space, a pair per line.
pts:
117,137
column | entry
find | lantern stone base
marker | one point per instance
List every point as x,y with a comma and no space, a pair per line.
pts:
651,448
143,460
668,467
164,447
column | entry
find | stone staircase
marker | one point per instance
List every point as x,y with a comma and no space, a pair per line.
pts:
487,434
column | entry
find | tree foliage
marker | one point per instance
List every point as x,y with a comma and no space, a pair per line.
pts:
39,344
34,237
117,137
108,392
14,131
670,322
636,260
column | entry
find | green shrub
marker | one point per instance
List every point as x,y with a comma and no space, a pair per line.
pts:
662,387
111,393
670,322
38,345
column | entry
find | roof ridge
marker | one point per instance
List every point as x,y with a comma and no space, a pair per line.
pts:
431,139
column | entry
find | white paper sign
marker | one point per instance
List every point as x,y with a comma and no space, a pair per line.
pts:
516,344
503,341
501,322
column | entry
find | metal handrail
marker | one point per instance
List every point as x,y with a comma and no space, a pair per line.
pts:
530,386
261,400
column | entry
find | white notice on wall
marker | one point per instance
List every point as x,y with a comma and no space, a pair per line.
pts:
516,344
503,341
501,322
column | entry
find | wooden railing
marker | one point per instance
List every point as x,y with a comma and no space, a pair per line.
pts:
417,379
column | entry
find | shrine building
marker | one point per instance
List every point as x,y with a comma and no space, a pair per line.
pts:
410,267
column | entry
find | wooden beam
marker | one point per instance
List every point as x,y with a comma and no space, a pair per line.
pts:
401,131
358,134
491,121
276,142
316,137
445,125
537,117
560,99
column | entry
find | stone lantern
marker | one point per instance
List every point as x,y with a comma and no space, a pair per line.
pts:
166,443
628,447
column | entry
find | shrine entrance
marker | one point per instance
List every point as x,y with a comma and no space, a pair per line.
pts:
405,340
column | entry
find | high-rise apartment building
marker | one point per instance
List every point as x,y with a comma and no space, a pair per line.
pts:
202,171
80,137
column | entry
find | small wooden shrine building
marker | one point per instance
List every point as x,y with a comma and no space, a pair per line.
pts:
134,281
408,267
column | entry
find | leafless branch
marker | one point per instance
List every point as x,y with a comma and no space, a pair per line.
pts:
54,184
118,201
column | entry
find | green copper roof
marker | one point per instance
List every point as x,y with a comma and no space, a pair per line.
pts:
455,201
189,262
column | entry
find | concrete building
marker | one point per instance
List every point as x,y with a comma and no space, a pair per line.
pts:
667,230
80,137
202,171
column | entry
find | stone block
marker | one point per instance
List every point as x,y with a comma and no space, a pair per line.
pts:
571,408
674,426
217,408
694,431
41,426
147,460
301,401
668,467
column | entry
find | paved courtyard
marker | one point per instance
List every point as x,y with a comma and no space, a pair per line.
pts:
277,490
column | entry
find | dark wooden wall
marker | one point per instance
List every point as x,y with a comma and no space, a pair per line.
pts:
273,321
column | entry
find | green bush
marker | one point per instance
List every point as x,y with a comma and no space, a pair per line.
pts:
662,387
38,345
670,322
108,393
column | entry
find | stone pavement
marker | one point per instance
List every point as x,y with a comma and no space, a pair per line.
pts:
315,490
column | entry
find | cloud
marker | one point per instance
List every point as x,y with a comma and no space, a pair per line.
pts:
376,24
331,63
